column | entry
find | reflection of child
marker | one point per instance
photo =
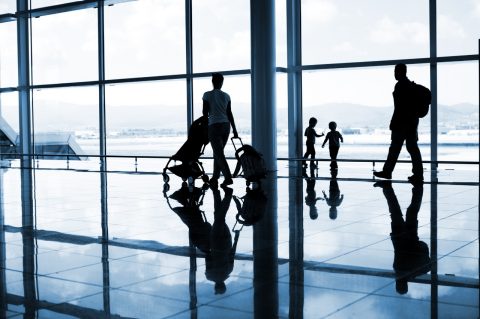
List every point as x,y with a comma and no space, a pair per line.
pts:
310,133
311,198
333,137
334,199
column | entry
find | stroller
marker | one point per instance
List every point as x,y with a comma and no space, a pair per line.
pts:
190,168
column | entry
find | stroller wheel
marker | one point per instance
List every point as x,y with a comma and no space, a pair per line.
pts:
205,178
166,178
166,187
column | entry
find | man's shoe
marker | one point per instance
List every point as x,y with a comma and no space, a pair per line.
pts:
415,179
383,184
383,174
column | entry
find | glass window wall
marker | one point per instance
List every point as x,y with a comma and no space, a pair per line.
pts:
458,111
65,121
360,102
8,55
65,47
145,38
146,118
8,6
221,35
348,30
458,23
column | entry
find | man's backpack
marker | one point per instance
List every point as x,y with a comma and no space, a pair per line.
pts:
422,97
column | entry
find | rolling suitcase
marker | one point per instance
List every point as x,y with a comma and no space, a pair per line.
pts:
250,162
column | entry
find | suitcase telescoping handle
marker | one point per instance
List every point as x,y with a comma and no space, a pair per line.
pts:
235,146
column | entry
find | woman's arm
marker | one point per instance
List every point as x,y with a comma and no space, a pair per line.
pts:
206,108
231,119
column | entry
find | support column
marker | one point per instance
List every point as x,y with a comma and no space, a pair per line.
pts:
189,58
105,244
434,245
265,255
294,57
264,126
3,254
25,115
101,86
296,244
433,84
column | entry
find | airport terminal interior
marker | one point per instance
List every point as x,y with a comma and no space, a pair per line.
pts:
108,211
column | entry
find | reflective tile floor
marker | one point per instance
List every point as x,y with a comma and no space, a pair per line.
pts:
79,244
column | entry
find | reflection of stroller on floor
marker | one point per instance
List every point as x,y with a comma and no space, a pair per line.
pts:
190,168
189,212
199,230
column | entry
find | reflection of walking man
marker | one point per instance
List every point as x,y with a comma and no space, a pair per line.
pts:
404,126
411,255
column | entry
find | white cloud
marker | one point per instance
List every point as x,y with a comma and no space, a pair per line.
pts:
345,46
318,12
476,7
449,28
387,31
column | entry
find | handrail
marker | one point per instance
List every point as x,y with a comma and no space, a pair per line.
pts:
69,156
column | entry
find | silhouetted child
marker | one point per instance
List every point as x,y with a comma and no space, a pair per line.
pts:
311,134
333,137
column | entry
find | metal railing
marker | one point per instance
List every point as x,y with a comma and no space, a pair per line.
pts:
74,157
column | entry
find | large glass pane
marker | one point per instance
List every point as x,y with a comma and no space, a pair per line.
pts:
8,6
145,38
351,30
8,54
360,102
221,35
147,118
458,111
282,115
239,89
65,121
281,32
8,124
458,23
64,47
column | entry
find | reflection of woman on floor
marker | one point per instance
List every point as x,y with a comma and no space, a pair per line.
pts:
219,261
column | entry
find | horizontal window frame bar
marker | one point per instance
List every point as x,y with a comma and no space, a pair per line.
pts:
130,80
363,64
312,67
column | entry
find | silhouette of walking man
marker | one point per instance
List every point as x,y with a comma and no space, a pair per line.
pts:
404,125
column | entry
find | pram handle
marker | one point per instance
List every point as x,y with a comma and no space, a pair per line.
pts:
236,138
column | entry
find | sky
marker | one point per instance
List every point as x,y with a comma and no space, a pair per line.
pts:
147,38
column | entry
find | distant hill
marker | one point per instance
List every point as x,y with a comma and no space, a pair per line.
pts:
76,117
